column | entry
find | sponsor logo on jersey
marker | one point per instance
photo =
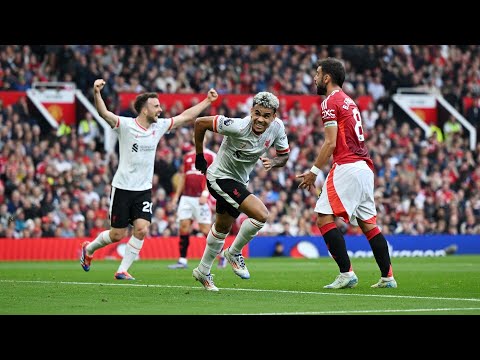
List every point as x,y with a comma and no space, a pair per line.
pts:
328,114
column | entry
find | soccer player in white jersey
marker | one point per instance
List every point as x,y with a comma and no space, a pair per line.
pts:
131,198
246,141
348,189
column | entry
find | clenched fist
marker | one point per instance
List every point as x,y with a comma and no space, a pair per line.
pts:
212,95
200,163
98,85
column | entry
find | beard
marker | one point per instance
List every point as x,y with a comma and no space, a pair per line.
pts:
321,89
152,119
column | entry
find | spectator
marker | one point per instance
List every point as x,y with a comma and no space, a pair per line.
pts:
283,67
88,129
473,114
451,127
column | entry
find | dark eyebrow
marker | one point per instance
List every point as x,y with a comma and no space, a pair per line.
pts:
265,113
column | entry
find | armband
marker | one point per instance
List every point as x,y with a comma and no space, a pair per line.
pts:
315,170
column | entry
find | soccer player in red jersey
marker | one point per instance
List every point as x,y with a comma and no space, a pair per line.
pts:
193,206
348,189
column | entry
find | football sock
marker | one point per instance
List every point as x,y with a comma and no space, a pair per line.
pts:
336,246
102,239
132,249
249,228
215,242
379,247
184,242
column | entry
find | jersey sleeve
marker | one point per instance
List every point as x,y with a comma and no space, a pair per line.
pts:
122,123
165,124
329,112
227,126
281,141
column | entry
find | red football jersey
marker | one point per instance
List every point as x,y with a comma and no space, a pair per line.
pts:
350,137
195,181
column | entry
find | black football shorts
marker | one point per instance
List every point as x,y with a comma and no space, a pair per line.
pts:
126,206
229,194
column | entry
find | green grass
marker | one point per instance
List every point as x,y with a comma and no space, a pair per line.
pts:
437,286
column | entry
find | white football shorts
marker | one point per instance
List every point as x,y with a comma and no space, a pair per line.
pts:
189,208
348,193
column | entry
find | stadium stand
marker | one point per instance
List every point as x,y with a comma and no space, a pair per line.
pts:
58,183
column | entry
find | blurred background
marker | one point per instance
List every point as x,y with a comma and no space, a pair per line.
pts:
420,106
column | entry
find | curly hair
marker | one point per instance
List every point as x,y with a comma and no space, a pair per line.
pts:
267,100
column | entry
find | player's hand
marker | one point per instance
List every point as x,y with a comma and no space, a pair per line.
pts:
267,163
212,95
201,163
308,180
202,199
98,85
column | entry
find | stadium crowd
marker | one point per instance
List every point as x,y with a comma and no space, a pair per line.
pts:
57,183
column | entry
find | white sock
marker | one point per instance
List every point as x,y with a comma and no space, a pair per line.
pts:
182,260
215,241
132,249
250,227
102,239
348,273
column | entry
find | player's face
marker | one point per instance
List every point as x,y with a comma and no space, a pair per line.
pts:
262,117
320,82
153,110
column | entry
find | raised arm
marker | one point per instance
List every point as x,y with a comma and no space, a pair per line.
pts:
191,114
107,115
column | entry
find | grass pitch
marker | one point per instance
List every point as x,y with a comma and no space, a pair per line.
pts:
278,286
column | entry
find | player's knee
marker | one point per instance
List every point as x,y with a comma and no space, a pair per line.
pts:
141,231
324,219
262,216
117,234
184,229
204,228
225,229
223,224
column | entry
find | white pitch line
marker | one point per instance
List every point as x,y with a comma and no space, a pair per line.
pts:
361,311
333,293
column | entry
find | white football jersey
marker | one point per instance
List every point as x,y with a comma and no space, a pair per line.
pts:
137,147
241,148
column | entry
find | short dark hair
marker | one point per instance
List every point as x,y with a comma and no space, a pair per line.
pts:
141,100
334,68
